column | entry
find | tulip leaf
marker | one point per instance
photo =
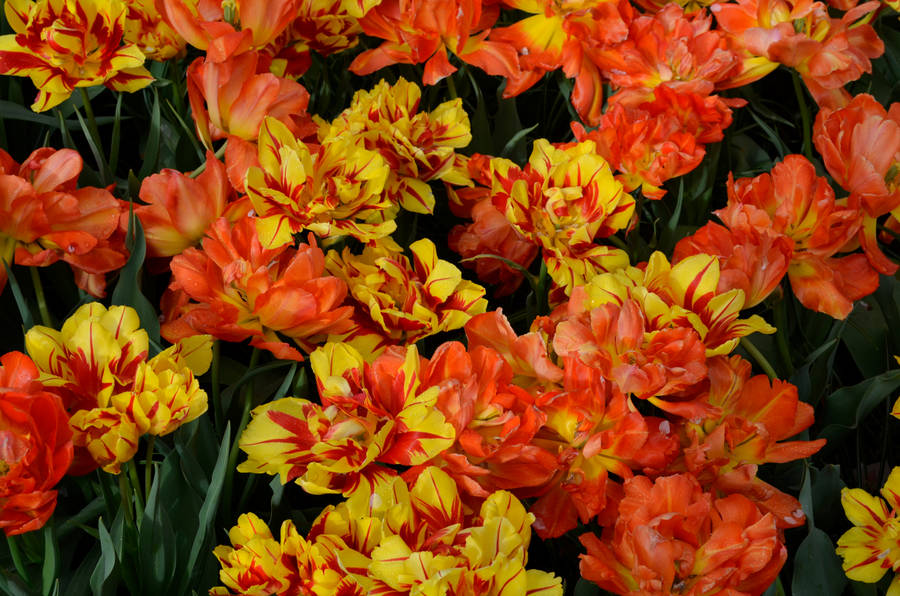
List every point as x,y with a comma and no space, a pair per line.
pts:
49,571
776,589
587,588
846,408
21,303
151,149
127,290
209,509
817,568
156,540
481,143
107,562
516,144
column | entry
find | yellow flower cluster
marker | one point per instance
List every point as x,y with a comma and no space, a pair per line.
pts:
98,363
403,301
872,546
392,540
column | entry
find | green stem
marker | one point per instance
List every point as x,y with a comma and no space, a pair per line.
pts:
235,445
94,131
148,465
136,489
13,543
451,87
804,115
781,333
125,495
219,415
39,294
759,358
202,167
543,306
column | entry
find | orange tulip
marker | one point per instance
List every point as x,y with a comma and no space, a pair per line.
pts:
232,95
35,446
180,209
750,419
492,234
205,23
417,31
672,49
235,289
860,145
654,141
827,52
495,422
564,35
794,202
752,259
671,537
47,219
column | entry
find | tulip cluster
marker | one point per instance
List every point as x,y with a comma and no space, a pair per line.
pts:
620,409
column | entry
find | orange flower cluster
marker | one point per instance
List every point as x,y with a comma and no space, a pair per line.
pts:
181,209
235,289
827,52
672,537
35,446
860,145
551,415
789,222
45,218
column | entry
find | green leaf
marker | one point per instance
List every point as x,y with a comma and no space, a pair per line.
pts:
866,339
516,145
49,571
156,539
127,290
228,394
93,141
21,303
817,568
210,507
107,562
116,135
776,589
482,142
151,150
586,588
847,407
826,494
771,134
286,383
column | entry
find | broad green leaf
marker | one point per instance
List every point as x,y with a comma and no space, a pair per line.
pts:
587,588
776,589
156,540
847,407
127,290
151,149
826,495
210,507
50,569
817,568
21,303
107,562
